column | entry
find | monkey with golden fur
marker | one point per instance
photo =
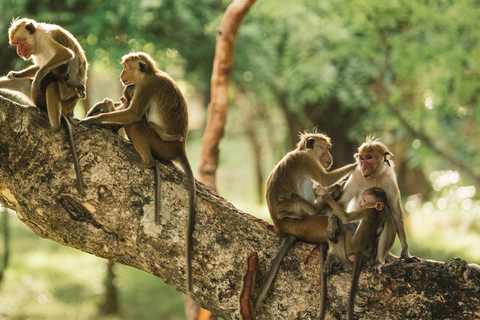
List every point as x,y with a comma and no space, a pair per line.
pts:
374,169
157,109
363,244
56,80
295,175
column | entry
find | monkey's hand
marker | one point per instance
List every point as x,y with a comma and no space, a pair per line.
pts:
335,191
328,199
93,119
320,191
332,229
13,74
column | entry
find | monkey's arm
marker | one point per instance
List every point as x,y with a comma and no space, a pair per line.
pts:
134,113
25,73
319,175
397,214
61,56
337,210
303,203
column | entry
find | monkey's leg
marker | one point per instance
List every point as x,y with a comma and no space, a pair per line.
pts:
21,85
165,136
54,105
287,242
385,243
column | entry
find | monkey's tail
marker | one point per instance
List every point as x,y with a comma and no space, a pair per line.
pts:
357,265
73,151
190,220
323,278
287,241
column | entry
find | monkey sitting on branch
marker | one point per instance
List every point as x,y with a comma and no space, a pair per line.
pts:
56,80
295,175
155,116
374,170
363,244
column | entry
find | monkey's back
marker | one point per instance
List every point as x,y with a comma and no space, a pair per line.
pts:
288,176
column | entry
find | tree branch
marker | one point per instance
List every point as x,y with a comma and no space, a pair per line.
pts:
115,220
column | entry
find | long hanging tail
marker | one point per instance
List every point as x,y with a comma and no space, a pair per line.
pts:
323,278
156,171
357,265
73,151
287,242
190,220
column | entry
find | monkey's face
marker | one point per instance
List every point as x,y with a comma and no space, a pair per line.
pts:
368,200
24,49
129,74
322,150
368,163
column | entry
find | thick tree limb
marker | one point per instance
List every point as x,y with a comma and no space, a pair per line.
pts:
115,221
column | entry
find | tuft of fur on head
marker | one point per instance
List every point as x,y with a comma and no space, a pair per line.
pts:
373,145
314,134
141,57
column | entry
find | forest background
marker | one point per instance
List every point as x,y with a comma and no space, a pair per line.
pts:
406,71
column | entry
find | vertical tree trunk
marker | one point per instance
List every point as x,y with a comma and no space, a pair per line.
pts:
218,106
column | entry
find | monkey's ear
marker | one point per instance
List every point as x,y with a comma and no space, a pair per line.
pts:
380,206
30,27
143,66
310,143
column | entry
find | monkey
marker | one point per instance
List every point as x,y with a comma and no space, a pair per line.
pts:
374,169
363,244
56,80
158,100
294,175
108,105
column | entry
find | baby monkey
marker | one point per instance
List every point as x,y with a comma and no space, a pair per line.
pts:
363,244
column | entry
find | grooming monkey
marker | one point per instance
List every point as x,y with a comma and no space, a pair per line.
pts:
156,109
375,170
56,80
294,175
363,244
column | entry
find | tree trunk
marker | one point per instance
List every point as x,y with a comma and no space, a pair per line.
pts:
218,106
115,220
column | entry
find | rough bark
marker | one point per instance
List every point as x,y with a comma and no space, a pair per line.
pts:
115,221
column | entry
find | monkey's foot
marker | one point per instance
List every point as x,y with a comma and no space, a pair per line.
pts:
289,215
377,267
40,121
331,263
332,230
411,259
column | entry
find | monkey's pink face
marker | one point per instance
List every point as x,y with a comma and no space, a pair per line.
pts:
24,50
368,163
